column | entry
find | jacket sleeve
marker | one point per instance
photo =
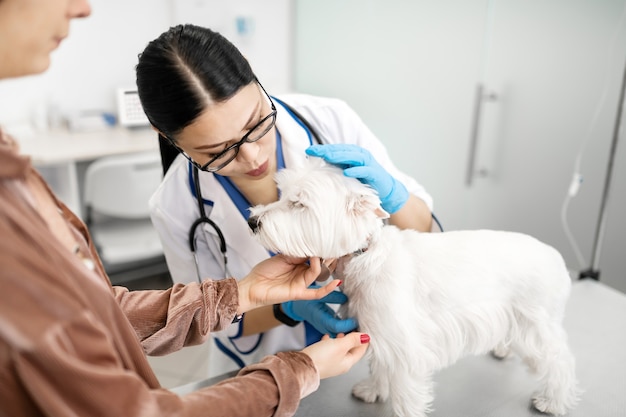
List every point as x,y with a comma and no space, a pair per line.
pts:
182,315
74,370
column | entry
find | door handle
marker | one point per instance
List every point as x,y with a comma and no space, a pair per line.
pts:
479,99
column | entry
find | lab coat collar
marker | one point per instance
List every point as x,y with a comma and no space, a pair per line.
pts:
295,138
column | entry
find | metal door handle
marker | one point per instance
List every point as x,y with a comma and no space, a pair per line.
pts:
475,132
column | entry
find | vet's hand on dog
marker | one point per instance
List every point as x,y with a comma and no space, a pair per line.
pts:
334,357
280,279
358,162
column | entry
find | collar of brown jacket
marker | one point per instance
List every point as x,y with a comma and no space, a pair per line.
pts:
12,164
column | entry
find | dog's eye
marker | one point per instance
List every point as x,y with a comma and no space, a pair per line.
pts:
297,200
296,204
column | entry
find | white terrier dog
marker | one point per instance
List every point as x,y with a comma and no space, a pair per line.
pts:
426,299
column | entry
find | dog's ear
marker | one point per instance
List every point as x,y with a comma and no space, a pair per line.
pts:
382,214
299,199
359,204
315,162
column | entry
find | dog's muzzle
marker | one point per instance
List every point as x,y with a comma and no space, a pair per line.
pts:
254,223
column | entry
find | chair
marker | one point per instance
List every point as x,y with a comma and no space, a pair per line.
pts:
116,194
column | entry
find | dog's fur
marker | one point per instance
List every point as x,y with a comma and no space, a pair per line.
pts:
426,299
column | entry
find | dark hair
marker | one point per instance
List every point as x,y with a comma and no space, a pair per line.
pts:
182,72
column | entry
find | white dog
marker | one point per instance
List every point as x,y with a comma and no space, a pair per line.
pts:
426,299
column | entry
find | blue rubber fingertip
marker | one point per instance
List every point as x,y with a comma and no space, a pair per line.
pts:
347,325
396,199
313,150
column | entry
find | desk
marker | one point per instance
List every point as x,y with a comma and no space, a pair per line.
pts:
481,386
57,154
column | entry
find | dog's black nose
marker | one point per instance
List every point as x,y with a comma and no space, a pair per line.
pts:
254,223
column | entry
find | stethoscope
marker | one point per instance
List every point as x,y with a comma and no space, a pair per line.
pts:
204,219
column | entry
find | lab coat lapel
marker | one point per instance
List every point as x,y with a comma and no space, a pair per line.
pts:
293,136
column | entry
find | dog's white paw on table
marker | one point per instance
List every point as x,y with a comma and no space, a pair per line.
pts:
367,391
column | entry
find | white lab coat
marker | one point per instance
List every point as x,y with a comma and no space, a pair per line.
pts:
174,209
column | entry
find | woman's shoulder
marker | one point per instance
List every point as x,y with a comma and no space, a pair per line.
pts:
329,115
175,175
173,186
312,103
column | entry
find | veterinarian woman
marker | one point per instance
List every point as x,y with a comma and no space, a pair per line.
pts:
222,139
72,345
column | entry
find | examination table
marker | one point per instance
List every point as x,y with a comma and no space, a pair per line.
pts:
481,386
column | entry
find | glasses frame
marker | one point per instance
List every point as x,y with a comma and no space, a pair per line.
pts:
235,146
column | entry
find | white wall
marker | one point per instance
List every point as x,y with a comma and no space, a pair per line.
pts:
99,55
101,52
265,40
410,67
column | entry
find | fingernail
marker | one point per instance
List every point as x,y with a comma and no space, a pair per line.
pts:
365,338
340,282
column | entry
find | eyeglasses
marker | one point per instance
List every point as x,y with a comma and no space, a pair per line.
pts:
227,155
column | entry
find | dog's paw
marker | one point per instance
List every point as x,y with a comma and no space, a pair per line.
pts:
366,391
548,406
501,351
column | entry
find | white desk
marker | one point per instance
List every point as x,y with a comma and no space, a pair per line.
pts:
480,386
57,153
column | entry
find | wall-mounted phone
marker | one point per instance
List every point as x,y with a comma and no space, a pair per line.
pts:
129,110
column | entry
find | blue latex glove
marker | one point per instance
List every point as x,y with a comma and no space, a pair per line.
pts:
320,315
359,163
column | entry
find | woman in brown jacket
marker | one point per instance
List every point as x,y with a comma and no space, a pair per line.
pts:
70,343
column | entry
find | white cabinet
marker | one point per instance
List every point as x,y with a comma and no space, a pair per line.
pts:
411,68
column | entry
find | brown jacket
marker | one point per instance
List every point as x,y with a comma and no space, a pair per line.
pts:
73,345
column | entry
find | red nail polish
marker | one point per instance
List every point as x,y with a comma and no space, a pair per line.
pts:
365,338
340,282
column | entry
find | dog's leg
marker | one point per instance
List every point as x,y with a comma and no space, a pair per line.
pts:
543,346
376,386
557,371
410,392
411,395
368,390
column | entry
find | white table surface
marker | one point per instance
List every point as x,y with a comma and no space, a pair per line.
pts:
62,146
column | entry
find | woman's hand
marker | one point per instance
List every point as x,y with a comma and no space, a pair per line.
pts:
280,279
334,357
